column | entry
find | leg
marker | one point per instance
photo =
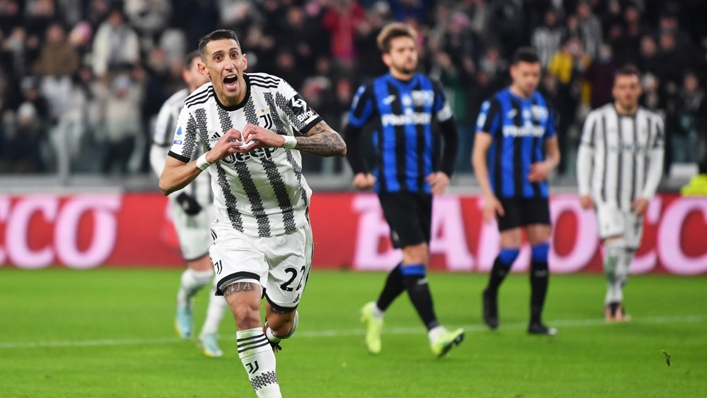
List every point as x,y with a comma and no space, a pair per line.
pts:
209,332
510,248
539,235
615,275
281,323
197,275
243,297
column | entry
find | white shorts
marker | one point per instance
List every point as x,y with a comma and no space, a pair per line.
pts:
193,231
280,264
613,221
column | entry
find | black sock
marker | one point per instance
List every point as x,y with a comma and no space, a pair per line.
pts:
539,277
501,268
416,284
394,286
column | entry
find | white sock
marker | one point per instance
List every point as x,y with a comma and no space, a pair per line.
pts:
617,263
259,362
377,312
191,282
434,333
214,313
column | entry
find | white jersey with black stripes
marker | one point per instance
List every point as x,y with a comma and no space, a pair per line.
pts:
620,157
261,193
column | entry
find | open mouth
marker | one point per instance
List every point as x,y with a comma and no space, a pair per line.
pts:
230,81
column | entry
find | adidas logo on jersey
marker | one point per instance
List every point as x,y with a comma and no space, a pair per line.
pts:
214,137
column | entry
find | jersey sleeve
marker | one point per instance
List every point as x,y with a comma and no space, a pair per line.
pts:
489,117
589,131
164,127
362,106
186,136
297,113
441,103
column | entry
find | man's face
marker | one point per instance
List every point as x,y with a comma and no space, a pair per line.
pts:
193,76
526,76
626,91
224,64
402,55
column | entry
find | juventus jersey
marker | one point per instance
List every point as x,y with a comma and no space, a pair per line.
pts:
165,127
620,157
262,192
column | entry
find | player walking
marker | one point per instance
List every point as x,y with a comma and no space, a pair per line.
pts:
262,237
513,127
402,104
619,165
192,213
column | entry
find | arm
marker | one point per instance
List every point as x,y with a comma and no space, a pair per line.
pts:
585,163
655,163
439,181
540,170
320,140
353,155
482,143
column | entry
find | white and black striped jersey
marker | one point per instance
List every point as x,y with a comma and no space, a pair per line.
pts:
165,126
261,192
620,158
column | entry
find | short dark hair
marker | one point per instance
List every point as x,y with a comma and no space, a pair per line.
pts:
189,58
525,54
219,34
627,70
392,31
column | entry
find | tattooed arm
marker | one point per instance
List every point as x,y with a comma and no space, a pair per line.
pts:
322,140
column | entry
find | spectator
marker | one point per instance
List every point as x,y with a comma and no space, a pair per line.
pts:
39,14
366,46
10,17
149,17
547,37
407,10
600,76
22,149
121,123
689,103
509,25
341,20
57,56
626,46
115,47
649,62
589,29
676,62
493,64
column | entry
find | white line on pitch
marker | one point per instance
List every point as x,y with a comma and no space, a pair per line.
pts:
568,323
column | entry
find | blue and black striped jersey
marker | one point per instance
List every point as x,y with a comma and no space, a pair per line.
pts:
519,128
403,137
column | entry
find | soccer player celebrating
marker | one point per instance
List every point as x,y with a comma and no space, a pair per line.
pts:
192,213
619,165
513,127
402,104
262,236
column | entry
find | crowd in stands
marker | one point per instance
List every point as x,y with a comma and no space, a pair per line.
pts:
89,76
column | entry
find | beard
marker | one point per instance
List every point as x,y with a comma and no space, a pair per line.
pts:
403,69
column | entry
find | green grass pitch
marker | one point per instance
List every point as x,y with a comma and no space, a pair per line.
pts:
109,333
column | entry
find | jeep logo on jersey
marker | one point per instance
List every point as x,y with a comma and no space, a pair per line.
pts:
260,153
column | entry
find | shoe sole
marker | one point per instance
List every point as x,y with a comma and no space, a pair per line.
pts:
457,340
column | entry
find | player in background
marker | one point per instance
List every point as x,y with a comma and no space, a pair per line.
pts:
402,104
192,214
619,166
514,151
246,124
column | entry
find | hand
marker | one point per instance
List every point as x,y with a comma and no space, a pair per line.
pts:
364,180
586,202
492,208
262,138
438,182
538,172
639,206
188,204
228,144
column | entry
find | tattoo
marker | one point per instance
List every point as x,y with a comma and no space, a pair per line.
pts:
323,141
239,287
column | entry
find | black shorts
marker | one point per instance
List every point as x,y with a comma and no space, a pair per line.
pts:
521,212
409,216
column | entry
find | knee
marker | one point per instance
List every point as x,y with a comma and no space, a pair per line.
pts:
540,252
416,254
508,255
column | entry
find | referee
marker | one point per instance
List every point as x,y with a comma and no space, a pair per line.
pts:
401,105
513,128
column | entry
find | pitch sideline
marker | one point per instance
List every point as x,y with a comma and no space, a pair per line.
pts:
568,323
